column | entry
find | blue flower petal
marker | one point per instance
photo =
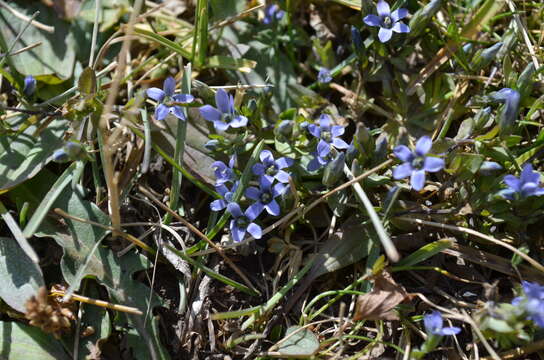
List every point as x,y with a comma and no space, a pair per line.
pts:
222,101
314,130
283,176
337,130
403,153
238,121
218,205
169,86
423,145
220,126
323,148
183,98
385,34
513,182
325,122
372,20
417,180
155,94
273,208
433,322
258,169
253,193
279,189
238,233
433,164
402,171
266,155
178,112
255,230
234,210
339,143
383,8
254,210
161,112
453,330
528,175
284,162
399,14
401,28
210,113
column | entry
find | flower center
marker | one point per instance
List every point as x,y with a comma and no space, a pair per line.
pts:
326,135
272,170
417,163
242,222
226,118
266,197
387,22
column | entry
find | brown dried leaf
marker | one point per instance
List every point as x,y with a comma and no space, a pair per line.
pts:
380,302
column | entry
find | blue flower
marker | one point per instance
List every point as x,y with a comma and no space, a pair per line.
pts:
242,223
387,21
224,116
324,76
167,100
264,197
272,169
527,184
328,135
30,85
532,302
224,173
223,190
415,164
434,324
511,100
272,13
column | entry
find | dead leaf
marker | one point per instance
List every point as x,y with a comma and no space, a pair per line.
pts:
380,302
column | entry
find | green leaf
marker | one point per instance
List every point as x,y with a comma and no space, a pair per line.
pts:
21,277
27,342
55,55
23,155
302,343
425,252
161,40
87,82
227,62
345,247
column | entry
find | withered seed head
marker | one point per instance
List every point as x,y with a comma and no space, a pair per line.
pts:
49,314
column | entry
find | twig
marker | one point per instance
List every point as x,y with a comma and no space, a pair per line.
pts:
37,24
101,303
474,233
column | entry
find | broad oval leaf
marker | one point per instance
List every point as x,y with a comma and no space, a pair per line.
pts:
20,341
298,342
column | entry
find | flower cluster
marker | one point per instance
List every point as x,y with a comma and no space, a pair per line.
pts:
272,13
532,302
329,140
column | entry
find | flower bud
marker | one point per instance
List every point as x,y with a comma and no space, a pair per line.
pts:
482,118
509,39
60,156
511,99
357,41
525,81
334,170
211,145
30,85
484,57
422,17
284,129
489,167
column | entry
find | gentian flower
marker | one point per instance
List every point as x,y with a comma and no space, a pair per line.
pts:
416,163
527,184
271,13
328,135
242,223
272,169
324,76
511,99
387,21
319,161
224,116
532,302
223,190
434,324
167,100
30,85
223,173
264,197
